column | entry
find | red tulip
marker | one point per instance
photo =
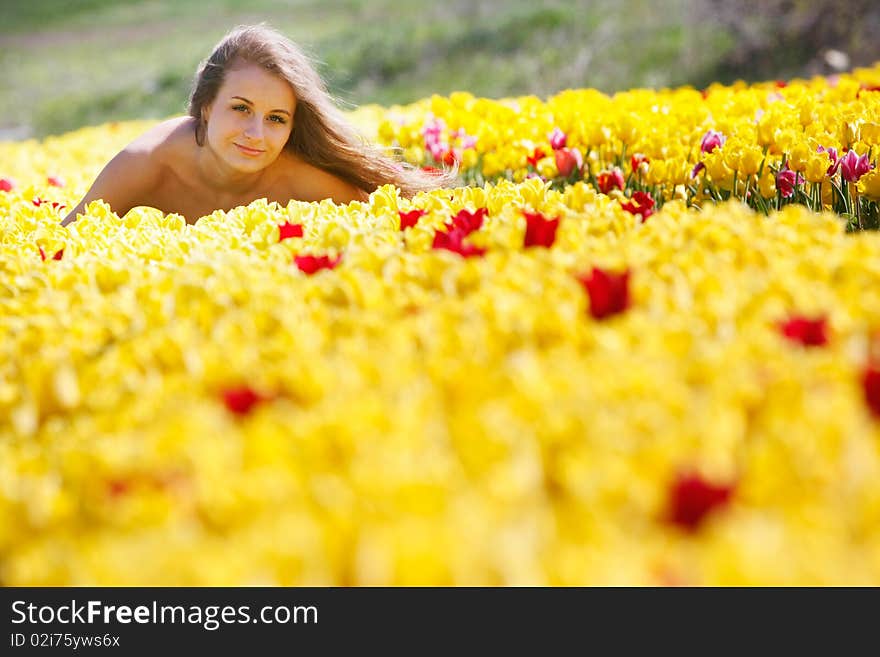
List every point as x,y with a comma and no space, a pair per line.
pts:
609,292
58,254
453,240
568,160
7,184
55,181
37,201
451,156
537,155
641,203
119,487
637,160
692,499
540,231
288,229
240,400
609,180
468,221
411,218
310,264
809,332
871,387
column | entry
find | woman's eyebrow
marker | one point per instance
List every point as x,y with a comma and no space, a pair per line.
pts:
283,111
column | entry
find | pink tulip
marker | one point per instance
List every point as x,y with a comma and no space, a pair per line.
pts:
787,180
558,139
433,128
712,140
853,167
466,141
437,149
832,153
434,144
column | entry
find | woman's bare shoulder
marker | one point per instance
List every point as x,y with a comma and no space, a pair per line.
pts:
165,151
308,182
165,138
138,174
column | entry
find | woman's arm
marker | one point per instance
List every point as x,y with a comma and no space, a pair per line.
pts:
124,183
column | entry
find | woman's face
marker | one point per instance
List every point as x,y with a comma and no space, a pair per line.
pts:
250,120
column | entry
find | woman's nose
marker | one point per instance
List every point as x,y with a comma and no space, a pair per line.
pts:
254,129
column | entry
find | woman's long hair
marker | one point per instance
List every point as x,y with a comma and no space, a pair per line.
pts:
320,136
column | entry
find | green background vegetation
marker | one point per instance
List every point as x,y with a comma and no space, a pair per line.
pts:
68,64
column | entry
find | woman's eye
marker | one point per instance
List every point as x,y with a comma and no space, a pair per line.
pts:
278,119
240,108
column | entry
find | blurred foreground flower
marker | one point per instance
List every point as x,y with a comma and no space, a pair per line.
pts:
608,292
310,264
809,332
692,499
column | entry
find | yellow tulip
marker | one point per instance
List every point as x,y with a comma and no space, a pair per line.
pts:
816,167
767,184
869,185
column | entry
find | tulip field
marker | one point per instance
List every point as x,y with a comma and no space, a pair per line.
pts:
638,345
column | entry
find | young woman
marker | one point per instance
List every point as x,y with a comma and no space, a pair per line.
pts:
261,124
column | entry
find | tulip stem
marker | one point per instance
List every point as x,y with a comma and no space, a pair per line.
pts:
858,208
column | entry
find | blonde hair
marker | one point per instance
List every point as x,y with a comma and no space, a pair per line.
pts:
321,136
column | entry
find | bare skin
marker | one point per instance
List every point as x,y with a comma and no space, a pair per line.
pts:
243,158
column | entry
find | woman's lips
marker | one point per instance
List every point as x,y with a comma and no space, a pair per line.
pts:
249,151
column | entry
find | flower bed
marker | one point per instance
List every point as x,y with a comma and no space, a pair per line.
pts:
813,142
516,383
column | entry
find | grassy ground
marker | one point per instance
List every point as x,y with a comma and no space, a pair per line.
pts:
71,64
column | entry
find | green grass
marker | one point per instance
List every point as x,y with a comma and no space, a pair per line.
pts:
72,64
